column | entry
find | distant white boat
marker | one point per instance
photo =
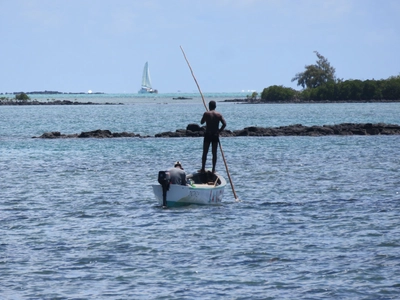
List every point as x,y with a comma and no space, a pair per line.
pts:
146,82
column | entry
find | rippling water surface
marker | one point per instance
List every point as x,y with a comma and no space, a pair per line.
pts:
318,217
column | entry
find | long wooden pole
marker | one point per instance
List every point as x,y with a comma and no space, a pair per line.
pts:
220,146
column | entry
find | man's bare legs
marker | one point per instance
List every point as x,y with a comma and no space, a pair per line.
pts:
206,146
214,155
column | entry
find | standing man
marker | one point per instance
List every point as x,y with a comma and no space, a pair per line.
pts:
211,136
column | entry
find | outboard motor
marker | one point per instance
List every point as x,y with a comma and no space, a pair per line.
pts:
164,179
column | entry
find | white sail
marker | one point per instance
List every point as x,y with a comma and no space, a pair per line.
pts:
146,81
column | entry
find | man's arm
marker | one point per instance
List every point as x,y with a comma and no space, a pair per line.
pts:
223,124
203,119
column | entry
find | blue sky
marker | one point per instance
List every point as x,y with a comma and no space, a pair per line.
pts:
232,45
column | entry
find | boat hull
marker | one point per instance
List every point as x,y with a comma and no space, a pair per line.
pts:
198,194
147,91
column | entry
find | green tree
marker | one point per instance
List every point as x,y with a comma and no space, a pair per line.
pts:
278,93
391,88
357,87
325,92
22,97
316,75
371,90
253,96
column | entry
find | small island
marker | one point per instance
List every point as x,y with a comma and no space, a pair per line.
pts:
181,98
24,99
21,98
53,102
321,85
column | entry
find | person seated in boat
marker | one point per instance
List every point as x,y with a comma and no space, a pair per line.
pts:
177,174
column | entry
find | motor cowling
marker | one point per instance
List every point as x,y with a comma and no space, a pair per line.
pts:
164,178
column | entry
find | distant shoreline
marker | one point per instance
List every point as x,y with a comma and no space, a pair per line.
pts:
54,102
12,102
53,93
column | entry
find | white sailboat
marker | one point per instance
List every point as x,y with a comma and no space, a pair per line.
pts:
146,81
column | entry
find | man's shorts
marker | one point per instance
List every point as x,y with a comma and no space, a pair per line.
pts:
211,137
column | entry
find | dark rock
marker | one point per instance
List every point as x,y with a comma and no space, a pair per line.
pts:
226,133
51,135
190,133
170,134
96,134
125,134
195,127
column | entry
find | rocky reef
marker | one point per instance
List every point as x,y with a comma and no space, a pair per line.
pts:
194,130
339,129
100,134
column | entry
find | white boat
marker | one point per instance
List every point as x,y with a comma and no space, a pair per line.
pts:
200,189
146,82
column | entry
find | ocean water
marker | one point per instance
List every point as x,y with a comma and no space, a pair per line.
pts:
318,217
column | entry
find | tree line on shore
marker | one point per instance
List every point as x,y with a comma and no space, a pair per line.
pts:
320,84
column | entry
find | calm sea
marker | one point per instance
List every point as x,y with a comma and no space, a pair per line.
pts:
318,217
